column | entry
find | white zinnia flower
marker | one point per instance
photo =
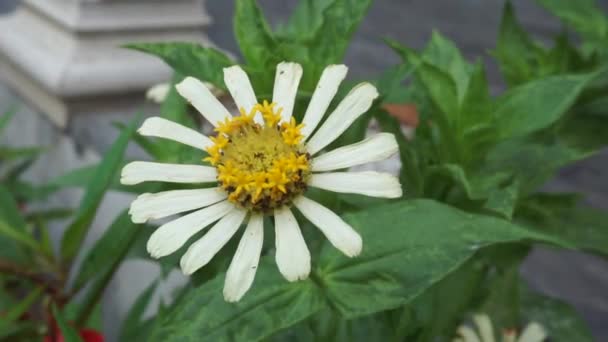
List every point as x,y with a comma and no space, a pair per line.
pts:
263,163
534,332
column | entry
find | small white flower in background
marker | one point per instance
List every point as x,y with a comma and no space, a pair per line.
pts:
158,93
533,332
263,162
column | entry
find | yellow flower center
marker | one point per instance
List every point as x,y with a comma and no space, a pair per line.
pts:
261,167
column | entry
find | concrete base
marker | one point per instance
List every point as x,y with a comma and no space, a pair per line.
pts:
60,54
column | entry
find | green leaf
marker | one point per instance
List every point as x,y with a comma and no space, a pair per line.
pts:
20,308
583,15
306,20
108,251
190,59
102,261
68,332
13,226
94,193
19,236
340,20
444,55
536,105
253,35
439,310
131,328
530,163
558,215
271,305
515,52
7,153
562,322
420,243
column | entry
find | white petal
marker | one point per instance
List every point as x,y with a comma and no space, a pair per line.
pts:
292,256
379,147
155,206
140,171
171,236
240,88
326,89
286,84
242,269
369,183
484,326
357,102
203,100
203,250
338,232
534,332
166,129
468,334
158,93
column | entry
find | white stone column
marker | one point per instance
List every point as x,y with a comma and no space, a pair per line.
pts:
64,56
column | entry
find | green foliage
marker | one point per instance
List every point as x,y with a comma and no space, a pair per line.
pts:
471,174
68,332
95,190
395,268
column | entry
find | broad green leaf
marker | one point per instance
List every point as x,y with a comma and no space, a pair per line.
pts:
476,188
444,55
558,215
504,200
530,163
256,42
101,262
271,305
474,126
561,321
94,193
68,332
536,105
408,247
438,311
340,20
584,132
305,21
108,251
501,291
190,59
515,52
131,328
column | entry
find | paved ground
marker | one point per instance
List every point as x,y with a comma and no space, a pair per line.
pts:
580,279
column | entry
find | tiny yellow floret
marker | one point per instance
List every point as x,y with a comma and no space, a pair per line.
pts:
261,167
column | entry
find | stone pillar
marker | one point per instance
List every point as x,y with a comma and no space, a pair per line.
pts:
64,56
